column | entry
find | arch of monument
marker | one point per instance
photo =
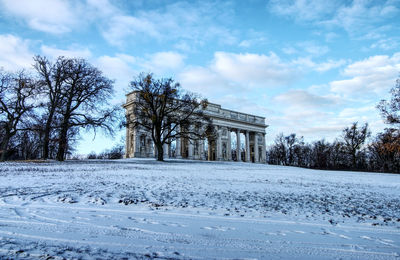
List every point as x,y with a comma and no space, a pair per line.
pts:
139,142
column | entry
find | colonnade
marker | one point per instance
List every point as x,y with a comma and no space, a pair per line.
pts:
215,148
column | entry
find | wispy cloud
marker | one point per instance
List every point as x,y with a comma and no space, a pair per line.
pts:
354,17
71,52
15,53
371,76
197,22
54,16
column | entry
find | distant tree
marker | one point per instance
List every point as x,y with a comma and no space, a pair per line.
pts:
320,154
385,151
290,142
354,138
17,92
280,150
390,110
53,80
92,155
84,103
338,156
161,106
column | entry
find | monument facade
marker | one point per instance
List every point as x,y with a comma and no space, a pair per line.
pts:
218,148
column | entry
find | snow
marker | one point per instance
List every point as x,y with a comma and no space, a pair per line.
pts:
143,209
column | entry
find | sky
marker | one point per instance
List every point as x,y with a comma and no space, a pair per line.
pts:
310,67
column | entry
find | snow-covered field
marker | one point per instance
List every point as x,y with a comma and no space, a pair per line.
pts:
195,210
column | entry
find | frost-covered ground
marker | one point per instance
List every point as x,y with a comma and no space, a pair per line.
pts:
195,210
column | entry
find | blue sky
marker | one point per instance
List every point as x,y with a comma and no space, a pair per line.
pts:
310,67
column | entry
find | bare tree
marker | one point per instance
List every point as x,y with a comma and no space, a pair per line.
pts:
391,109
161,106
354,138
52,79
385,151
84,103
16,101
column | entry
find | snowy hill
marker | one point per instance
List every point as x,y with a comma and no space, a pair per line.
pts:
139,208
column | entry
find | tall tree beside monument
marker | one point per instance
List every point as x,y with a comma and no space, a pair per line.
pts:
17,92
52,79
167,112
84,104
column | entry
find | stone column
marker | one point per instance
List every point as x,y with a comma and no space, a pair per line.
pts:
178,144
151,147
190,149
263,156
229,147
219,145
247,147
238,155
209,149
136,146
190,145
165,146
202,156
127,142
255,147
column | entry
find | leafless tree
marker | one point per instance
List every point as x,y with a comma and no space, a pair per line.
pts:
84,103
52,79
391,109
354,138
161,106
17,93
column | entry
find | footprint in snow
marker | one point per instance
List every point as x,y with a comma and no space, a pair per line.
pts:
219,228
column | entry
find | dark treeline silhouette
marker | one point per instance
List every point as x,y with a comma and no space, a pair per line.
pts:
350,151
116,152
42,114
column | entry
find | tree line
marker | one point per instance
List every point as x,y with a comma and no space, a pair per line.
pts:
43,112
350,151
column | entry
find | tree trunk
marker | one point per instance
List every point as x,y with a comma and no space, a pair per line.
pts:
4,145
160,152
354,157
46,140
62,143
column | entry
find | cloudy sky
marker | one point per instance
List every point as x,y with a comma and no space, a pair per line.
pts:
310,67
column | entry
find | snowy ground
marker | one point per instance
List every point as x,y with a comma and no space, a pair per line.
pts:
195,210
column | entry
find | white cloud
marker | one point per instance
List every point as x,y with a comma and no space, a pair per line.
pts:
299,98
203,80
253,69
196,22
231,72
122,26
313,49
54,16
164,62
101,8
363,14
15,53
374,75
303,10
119,68
386,44
309,48
354,17
252,42
307,62
71,52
